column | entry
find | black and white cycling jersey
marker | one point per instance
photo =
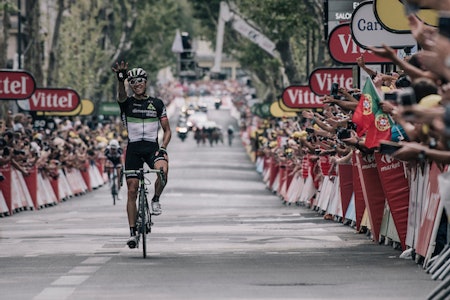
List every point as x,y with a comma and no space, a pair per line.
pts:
142,118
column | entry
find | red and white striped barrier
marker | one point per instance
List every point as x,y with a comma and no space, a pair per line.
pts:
36,191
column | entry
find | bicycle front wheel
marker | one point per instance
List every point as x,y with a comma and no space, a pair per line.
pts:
114,187
143,229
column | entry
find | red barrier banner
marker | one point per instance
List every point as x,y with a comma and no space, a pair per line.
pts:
360,205
5,186
32,184
431,205
372,190
396,189
346,185
85,174
274,168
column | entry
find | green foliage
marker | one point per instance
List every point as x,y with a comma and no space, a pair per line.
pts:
155,31
80,55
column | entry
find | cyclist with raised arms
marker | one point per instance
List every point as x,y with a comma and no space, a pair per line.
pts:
142,116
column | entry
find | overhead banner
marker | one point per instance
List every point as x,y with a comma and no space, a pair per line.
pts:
367,31
321,79
252,34
396,189
300,96
344,50
391,15
16,85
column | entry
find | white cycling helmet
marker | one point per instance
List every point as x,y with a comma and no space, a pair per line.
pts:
114,144
136,73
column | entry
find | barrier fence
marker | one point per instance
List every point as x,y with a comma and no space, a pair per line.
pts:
37,190
393,202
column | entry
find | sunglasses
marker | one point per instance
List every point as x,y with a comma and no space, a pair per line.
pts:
137,80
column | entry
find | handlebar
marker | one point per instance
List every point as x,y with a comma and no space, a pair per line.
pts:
142,171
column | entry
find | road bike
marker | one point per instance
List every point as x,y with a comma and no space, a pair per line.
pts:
144,217
115,186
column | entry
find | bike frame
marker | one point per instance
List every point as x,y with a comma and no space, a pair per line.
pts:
143,216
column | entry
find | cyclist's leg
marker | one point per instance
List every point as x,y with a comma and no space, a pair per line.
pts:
132,162
158,162
159,187
119,176
132,184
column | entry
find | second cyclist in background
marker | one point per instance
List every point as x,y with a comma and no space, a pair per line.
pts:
230,132
113,153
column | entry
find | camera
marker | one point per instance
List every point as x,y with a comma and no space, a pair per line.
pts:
334,90
343,133
309,130
444,25
311,138
407,97
18,152
351,125
390,97
357,96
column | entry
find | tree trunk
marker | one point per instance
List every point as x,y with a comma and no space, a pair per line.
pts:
33,50
284,48
53,57
128,20
6,22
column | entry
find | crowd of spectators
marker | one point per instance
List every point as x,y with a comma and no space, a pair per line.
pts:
415,97
72,143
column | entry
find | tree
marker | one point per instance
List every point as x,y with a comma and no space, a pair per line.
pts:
34,46
290,24
6,8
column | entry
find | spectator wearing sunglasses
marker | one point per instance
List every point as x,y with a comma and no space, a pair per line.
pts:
142,115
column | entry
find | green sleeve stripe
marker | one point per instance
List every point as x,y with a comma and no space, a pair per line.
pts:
138,120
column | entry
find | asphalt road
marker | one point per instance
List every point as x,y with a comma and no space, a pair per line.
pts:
222,235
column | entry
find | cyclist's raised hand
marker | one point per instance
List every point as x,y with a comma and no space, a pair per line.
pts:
121,70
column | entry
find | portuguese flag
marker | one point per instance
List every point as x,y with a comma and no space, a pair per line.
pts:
370,119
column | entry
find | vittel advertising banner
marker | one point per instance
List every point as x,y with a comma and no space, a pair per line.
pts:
368,31
300,96
51,99
321,79
343,49
16,85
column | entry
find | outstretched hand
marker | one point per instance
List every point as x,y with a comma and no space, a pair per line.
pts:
121,70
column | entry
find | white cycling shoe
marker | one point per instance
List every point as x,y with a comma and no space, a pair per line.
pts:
156,208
